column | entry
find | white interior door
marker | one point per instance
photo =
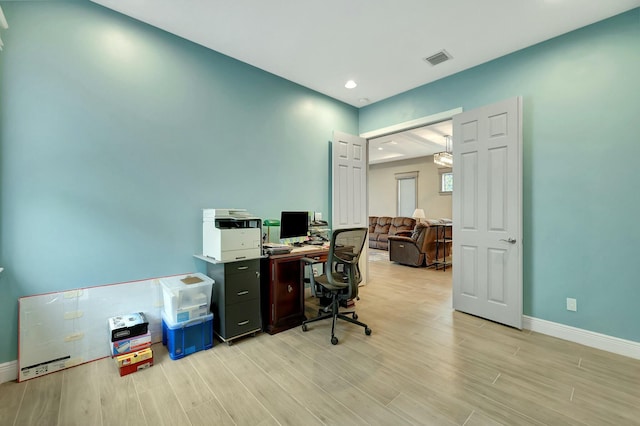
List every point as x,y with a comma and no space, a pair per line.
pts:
487,212
349,188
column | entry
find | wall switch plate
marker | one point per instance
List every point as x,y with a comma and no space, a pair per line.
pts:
572,304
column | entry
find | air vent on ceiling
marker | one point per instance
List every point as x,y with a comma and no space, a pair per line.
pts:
438,58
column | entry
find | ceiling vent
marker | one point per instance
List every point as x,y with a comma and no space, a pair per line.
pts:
438,58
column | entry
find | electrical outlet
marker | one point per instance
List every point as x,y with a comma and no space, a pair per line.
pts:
572,304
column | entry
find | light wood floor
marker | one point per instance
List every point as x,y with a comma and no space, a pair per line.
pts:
423,364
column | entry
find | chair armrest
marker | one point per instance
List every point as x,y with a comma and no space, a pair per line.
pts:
310,261
401,238
402,234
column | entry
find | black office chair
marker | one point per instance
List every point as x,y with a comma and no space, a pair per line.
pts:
340,279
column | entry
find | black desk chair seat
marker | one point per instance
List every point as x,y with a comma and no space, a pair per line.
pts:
340,279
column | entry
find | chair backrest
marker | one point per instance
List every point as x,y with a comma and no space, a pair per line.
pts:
344,252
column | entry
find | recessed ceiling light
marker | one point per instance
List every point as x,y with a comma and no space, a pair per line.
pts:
350,84
380,148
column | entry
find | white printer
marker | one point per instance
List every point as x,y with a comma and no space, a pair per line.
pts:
231,234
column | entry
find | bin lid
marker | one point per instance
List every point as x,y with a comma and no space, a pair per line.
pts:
186,281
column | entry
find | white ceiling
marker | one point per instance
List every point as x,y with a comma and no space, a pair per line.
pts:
380,44
413,143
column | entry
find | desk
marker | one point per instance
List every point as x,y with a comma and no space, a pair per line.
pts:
282,287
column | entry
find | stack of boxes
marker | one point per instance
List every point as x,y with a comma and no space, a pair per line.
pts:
187,321
130,344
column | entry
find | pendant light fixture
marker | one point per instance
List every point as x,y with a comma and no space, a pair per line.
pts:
445,158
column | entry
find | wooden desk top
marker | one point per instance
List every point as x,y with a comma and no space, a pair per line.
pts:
302,252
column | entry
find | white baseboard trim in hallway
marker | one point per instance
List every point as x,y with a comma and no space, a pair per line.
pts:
8,371
584,337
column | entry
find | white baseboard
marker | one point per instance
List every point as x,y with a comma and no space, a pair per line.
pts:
8,371
584,337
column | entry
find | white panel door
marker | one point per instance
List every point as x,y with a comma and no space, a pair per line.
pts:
487,212
349,189
349,181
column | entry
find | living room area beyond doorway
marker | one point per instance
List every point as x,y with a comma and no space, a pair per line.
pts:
410,196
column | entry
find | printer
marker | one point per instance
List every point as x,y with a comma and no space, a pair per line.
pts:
229,235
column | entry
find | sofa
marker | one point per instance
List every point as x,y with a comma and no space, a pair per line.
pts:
420,248
382,227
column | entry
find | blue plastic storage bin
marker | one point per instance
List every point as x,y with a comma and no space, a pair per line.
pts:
184,338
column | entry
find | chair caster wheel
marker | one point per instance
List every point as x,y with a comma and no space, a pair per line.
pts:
367,331
355,316
304,327
334,340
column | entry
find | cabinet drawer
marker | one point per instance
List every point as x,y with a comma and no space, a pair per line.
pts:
233,268
242,318
242,286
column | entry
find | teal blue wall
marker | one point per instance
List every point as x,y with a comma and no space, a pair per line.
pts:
114,135
581,94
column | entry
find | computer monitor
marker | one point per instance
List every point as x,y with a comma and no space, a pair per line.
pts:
294,224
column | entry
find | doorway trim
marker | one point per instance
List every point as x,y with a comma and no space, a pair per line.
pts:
412,124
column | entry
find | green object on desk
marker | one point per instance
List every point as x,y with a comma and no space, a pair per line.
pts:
269,223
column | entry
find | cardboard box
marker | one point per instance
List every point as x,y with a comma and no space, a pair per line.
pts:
132,344
132,368
124,326
133,357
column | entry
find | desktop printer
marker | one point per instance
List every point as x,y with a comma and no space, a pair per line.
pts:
231,234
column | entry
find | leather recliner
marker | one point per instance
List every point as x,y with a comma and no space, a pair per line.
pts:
417,250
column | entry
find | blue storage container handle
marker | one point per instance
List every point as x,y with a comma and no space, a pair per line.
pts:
192,322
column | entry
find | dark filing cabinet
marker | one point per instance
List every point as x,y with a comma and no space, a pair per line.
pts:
235,300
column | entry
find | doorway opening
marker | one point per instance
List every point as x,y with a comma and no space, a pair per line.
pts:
401,165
